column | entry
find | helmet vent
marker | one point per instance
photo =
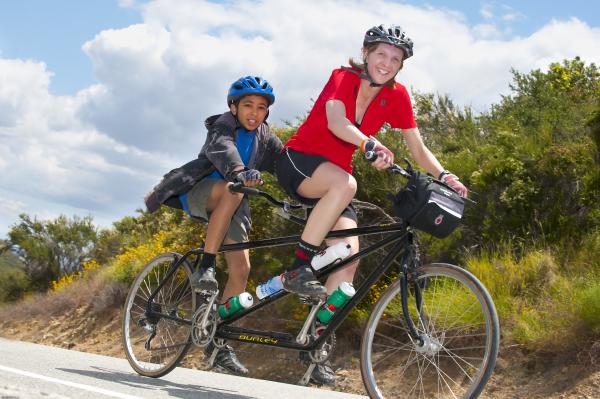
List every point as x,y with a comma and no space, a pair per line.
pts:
250,85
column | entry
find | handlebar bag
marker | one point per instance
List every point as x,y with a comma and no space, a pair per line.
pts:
429,205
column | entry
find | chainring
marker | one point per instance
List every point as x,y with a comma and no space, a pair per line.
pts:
324,352
202,336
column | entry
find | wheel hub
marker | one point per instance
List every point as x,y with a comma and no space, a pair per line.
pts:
430,345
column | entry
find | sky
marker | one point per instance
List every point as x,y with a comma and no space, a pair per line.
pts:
100,98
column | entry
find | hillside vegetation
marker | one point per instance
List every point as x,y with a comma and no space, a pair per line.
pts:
533,237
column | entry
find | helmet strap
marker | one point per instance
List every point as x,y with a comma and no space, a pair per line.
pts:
365,75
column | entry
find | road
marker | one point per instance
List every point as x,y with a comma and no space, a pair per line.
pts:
35,371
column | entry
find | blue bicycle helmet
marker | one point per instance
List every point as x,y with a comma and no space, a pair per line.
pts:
250,85
393,35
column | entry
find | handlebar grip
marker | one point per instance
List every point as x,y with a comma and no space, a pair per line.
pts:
371,156
370,145
240,188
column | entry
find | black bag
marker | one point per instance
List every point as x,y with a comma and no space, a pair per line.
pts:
429,205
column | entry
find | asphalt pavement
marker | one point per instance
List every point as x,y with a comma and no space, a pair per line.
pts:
35,371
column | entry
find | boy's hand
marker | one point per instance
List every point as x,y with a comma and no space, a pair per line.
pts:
250,177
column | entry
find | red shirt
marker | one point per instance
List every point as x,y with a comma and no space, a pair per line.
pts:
391,105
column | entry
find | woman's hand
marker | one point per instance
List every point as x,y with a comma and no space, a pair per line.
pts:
385,157
452,181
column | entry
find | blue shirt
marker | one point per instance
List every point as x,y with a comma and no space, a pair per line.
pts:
245,144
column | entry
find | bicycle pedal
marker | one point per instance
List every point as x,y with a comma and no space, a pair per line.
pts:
213,356
206,292
311,300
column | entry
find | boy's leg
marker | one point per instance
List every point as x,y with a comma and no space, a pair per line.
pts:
220,204
238,265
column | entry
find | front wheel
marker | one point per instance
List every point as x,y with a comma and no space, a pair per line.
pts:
155,341
459,331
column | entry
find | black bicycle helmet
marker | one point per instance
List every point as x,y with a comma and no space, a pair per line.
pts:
393,35
250,85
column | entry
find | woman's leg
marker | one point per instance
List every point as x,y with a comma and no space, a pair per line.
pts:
335,188
347,273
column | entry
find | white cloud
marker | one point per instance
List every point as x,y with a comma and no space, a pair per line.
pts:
127,3
101,149
10,205
23,89
509,14
486,11
512,16
487,31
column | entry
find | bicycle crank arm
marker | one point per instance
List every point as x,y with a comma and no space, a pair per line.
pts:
209,306
302,337
306,377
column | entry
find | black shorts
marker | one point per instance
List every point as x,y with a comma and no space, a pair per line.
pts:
293,167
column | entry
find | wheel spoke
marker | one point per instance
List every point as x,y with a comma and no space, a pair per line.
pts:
455,323
170,340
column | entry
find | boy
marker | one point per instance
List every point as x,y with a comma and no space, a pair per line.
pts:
239,145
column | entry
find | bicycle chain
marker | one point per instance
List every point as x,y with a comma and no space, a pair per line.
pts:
359,205
290,358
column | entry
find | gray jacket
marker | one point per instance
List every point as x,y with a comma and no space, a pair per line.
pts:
218,153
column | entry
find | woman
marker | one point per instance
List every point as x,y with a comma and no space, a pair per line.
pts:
315,166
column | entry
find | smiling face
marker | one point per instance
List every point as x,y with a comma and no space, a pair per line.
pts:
384,62
251,111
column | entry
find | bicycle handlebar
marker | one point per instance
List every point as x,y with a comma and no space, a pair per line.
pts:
240,188
371,156
407,172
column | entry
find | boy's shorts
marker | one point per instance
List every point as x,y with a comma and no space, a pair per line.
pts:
293,167
197,198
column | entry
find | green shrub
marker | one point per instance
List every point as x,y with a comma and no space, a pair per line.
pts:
13,284
536,299
587,255
588,301
510,280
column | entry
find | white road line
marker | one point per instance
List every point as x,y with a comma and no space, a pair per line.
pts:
69,383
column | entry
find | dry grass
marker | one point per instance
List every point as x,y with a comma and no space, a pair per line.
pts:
94,293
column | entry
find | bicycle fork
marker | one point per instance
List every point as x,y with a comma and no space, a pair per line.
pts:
414,258
404,297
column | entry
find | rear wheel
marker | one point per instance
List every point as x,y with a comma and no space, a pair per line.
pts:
154,344
459,329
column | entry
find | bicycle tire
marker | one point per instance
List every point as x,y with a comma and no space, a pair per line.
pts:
172,339
462,333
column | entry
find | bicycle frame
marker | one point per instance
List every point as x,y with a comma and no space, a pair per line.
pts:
431,318
403,243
